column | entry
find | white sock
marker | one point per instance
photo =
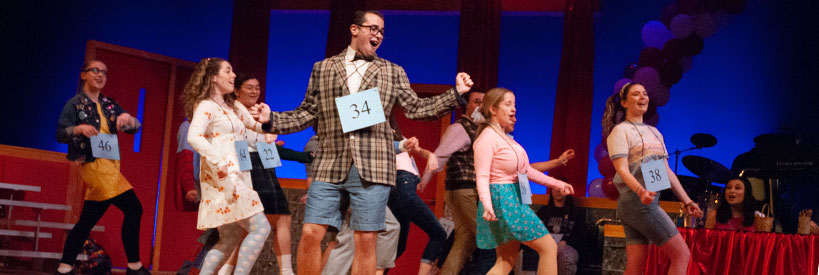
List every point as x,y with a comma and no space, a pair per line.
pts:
226,269
287,265
64,268
135,266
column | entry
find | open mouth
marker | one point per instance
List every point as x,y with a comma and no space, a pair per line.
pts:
512,118
374,42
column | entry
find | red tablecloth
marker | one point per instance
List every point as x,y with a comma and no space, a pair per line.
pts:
732,252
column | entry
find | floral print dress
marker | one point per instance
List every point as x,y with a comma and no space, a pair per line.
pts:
212,133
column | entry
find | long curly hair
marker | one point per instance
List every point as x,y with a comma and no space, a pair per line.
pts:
615,113
200,86
492,98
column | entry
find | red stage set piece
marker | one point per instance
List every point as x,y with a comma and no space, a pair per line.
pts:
734,252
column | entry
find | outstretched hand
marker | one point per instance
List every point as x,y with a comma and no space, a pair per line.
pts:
463,83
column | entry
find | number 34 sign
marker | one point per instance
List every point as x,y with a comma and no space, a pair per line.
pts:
360,110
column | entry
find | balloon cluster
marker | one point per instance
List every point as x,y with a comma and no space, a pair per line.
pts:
670,46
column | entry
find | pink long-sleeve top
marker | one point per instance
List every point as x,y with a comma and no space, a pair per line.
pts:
498,160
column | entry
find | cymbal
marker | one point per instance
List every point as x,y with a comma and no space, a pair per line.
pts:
703,140
707,169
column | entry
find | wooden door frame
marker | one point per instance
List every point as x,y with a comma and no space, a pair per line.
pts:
90,54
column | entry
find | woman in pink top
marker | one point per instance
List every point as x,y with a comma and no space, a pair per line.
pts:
501,165
735,210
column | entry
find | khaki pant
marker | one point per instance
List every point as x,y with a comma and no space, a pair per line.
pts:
464,206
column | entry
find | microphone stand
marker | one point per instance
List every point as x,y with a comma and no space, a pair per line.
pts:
677,153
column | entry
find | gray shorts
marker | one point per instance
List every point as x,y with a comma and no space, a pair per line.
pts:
644,223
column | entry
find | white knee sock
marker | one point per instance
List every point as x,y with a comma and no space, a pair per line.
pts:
227,269
286,265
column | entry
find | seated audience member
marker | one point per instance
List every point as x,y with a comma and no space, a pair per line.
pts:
735,209
566,223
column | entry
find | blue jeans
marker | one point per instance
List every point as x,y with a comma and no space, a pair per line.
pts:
408,207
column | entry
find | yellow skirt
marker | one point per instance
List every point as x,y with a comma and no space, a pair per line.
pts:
103,180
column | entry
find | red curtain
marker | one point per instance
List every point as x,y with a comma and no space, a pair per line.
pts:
249,36
341,17
479,42
733,252
575,92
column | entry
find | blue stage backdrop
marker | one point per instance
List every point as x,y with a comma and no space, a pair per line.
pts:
757,74
747,81
45,47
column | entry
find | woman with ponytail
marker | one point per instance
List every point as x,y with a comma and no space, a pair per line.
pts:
633,144
501,169
218,123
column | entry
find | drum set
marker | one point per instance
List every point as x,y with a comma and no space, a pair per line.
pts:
699,188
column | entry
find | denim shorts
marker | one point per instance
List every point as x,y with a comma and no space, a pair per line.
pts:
368,203
644,223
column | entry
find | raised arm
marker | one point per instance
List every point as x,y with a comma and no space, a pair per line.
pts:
429,108
298,119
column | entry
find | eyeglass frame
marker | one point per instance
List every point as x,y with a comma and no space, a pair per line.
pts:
96,71
374,30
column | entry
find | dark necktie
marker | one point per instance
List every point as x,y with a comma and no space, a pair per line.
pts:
361,57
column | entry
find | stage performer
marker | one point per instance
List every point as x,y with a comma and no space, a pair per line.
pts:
228,203
88,114
633,144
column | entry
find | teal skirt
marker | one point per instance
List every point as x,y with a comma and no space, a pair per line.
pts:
516,221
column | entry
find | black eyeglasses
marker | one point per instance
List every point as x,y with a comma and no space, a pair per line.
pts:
374,30
97,71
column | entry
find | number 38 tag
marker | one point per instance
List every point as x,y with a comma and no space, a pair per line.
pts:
655,175
360,110
105,146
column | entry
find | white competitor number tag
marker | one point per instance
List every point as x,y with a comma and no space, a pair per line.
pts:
105,146
655,175
269,155
525,190
360,110
243,155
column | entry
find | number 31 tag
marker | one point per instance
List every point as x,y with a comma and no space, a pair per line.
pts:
105,146
360,110
655,175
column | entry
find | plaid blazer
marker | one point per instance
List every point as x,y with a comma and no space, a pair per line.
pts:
371,149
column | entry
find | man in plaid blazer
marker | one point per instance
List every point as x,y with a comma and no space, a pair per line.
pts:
359,164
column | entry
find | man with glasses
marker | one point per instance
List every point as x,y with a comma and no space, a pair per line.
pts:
358,164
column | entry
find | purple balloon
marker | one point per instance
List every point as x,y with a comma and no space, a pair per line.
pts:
650,79
619,84
595,188
705,24
662,96
655,34
600,152
686,63
682,26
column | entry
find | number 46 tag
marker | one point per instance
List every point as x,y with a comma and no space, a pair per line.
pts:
105,146
360,110
655,175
